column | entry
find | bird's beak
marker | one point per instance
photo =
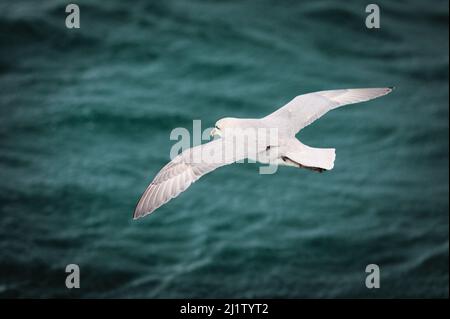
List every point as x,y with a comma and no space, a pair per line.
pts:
215,132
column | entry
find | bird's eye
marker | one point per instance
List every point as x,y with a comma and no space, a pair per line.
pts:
217,127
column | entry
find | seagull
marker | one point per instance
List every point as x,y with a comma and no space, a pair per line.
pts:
230,145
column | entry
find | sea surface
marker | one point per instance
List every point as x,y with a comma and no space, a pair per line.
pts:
85,120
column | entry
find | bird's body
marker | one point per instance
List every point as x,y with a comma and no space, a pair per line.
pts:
269,140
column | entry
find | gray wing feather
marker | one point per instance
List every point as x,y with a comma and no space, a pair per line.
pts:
176,176
305,109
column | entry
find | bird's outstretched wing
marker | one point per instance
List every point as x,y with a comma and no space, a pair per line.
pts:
305,109
182,171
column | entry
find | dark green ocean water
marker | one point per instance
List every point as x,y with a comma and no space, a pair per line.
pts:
85,118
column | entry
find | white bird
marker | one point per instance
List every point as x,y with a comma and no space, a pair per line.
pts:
286,149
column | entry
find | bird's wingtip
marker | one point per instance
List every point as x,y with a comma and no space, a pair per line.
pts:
141,213
137,214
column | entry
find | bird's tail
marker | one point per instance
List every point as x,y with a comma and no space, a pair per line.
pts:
309,157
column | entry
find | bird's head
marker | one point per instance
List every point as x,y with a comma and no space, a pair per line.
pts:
222,125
